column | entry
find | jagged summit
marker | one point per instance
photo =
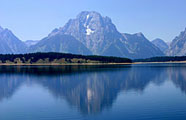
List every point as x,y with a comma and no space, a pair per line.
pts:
178,45
183,33
86,22
87,14
140,34
5,30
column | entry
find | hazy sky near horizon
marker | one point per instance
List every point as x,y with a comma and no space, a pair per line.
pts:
35,19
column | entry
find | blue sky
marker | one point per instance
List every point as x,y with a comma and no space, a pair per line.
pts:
35,19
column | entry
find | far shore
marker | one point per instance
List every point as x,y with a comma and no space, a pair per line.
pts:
159,62
65,64
86,64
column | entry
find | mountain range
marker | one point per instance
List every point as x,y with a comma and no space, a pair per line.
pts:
31,42
101,37
92,34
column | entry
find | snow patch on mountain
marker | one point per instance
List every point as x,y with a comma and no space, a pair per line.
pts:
89,31
88,16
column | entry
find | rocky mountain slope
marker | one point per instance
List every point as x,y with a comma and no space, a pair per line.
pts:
162,45
140,47
178,45
10,44
60,43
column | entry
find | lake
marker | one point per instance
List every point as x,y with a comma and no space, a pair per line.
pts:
114,92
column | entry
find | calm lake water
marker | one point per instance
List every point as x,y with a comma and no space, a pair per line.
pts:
130,92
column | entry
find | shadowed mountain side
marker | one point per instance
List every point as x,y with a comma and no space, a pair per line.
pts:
60,43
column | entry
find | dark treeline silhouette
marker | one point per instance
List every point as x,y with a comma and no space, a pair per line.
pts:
51,56
162,59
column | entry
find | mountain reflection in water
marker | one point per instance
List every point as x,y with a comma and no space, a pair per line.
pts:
89,88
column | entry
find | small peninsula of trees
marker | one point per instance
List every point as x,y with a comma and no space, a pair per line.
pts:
58,58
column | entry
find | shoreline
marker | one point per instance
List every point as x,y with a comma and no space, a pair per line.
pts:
160,62
88,64
67,64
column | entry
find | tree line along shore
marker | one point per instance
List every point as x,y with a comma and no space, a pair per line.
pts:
53,58
58,58
163,59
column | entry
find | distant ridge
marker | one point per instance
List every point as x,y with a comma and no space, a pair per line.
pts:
161,45
29,43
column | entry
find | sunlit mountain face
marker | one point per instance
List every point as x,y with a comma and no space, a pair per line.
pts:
88,88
